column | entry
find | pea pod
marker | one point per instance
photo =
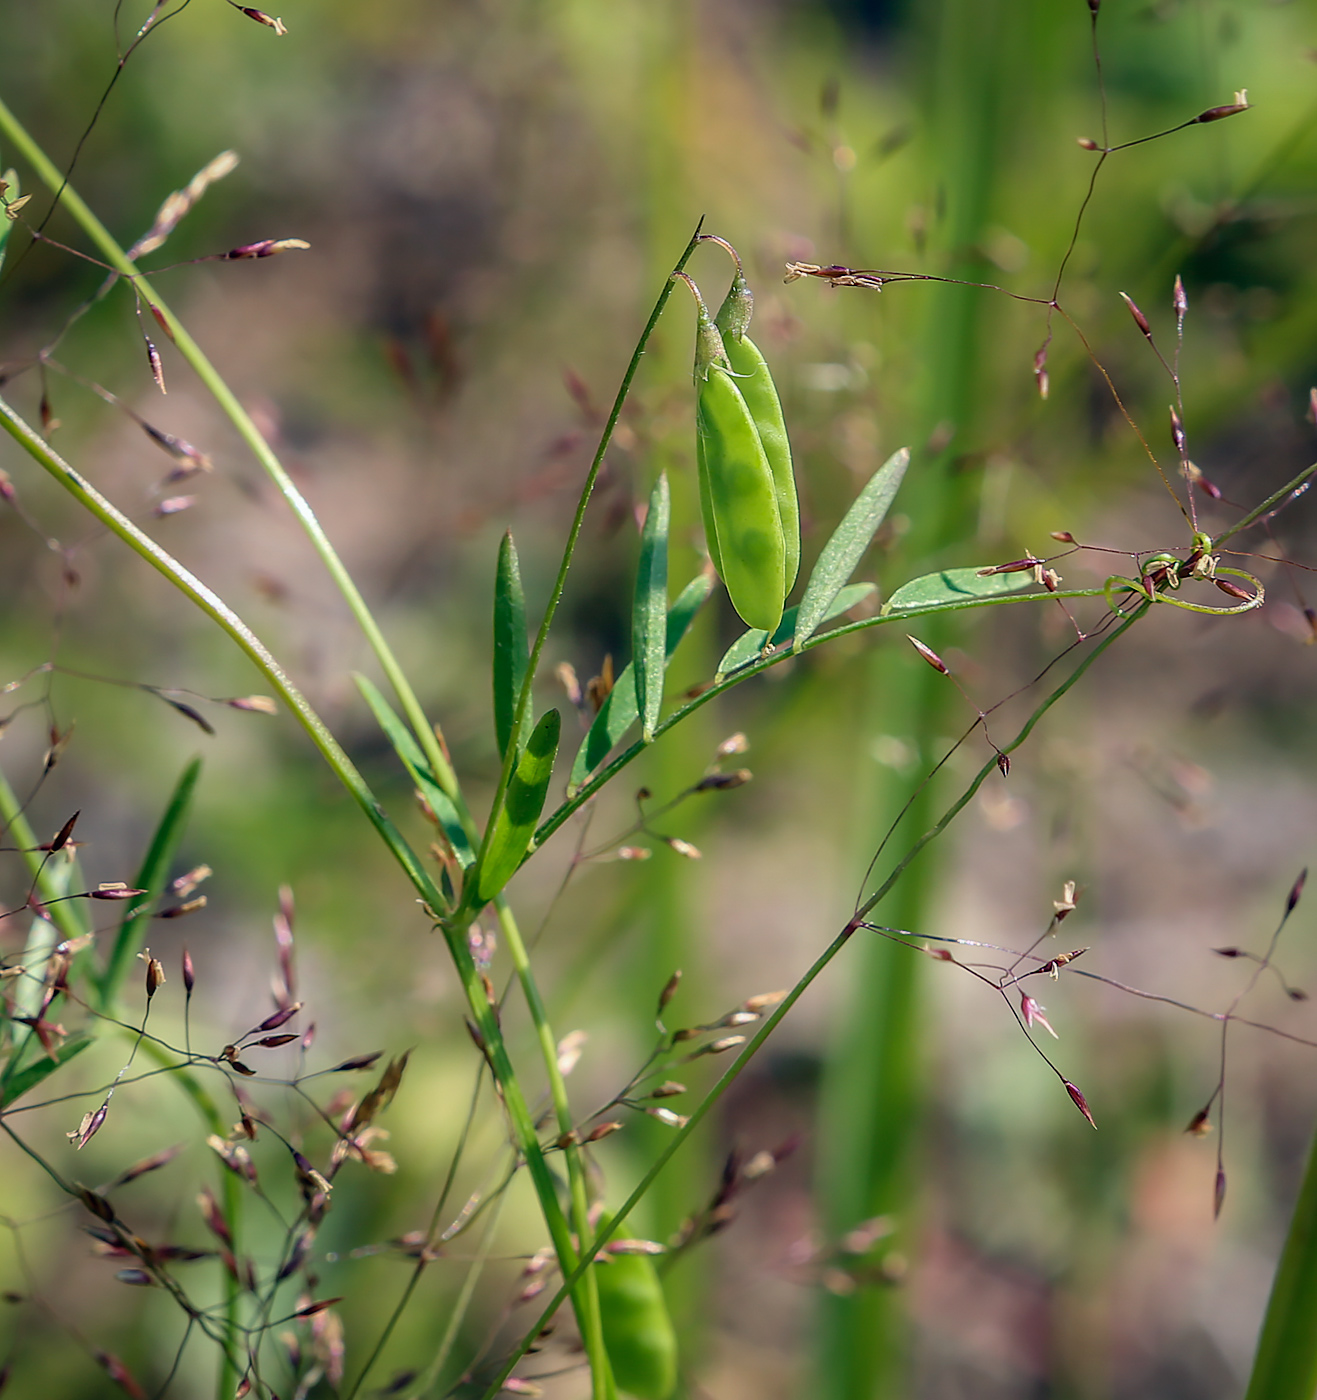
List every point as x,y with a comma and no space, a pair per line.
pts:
738,496
638,1335
755,381
750,551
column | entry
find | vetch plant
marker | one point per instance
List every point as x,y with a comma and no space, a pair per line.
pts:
276,1332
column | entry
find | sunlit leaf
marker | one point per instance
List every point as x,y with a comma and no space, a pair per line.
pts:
27,1079
511,650
648,617
514,825
849,541
952,586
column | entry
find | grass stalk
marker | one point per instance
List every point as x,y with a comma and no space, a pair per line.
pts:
872,1120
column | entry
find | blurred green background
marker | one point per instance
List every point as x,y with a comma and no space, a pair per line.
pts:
493,193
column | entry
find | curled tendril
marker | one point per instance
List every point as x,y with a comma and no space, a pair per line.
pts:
1149,594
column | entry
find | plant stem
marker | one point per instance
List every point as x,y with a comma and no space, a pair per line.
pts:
588,1315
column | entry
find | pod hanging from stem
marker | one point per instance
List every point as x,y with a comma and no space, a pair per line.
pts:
738,495
755,381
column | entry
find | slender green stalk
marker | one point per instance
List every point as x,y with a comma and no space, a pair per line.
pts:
1285,1367
587,1304
1275,499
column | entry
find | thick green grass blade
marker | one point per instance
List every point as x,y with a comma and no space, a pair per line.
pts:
151,878
28,1079
750,644
413,760
10,178
934,591
649,613
511,648
849,541
509,836
618,712
1285,1367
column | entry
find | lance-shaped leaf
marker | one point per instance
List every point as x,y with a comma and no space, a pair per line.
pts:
413,760
27,1079
954,587
151,877
649,612
849,541
618,713
511,650
509,836
749,644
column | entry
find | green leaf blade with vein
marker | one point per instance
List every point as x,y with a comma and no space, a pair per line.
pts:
511,647
618,712
413,760
27,1079
509,835
649,613
751,644
951,587
849,541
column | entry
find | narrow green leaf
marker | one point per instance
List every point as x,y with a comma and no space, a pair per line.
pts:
28,1079
618,712
750,644
649,613
150,877
849,541
511,648
413,760
509,836
952,586
1285,1364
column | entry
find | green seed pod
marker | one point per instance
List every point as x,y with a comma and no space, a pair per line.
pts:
638,1335
742,502
738,495
755,381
